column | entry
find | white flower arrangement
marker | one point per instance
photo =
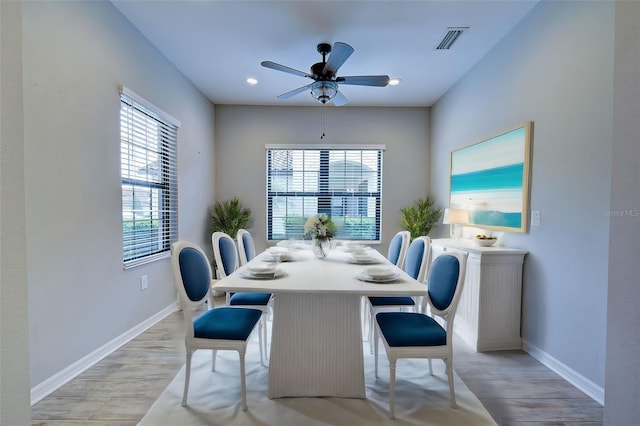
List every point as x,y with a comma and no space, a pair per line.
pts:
319,227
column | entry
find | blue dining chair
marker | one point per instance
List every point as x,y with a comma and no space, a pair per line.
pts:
418,335
225,254
398,248
395,254
221,328
246,247
416,265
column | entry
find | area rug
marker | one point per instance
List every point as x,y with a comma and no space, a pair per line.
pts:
214,398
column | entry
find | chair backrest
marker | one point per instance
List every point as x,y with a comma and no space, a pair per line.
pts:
416,262
246,247
444,286
191,274
225,253
398,248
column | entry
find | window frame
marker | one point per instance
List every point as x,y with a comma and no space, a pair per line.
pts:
324,194
150,135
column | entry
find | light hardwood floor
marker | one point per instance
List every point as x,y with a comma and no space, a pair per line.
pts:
514,387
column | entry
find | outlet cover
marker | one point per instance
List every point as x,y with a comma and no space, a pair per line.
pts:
144,283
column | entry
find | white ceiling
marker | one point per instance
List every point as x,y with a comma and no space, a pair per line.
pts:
218,44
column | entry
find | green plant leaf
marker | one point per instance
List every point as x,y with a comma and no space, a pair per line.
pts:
420,217
229,217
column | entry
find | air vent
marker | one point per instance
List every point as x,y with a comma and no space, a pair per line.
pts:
450,37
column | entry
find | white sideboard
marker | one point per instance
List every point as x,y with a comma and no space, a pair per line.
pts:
488,317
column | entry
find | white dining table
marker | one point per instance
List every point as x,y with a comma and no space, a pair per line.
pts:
316,343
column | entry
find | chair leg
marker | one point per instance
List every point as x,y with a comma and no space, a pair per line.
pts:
452,392
260,341
392,388
264,332
187,374
213,359
430,368
375,354
371,328
243,383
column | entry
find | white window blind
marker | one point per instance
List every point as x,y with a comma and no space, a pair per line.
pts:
342,182
148,157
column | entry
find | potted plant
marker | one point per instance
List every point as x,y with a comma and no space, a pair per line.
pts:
420,217
229,217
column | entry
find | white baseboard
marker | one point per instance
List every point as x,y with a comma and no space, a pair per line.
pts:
594,391
54,382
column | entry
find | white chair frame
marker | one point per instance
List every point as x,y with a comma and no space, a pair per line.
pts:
444,352
242,252
404,246
422,273
406,240
215,241
193,343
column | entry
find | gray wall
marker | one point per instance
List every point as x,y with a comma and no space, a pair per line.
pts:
623,321
76,54
14,338
243,131
555,69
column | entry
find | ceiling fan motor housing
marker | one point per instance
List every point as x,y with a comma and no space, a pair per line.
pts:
317,70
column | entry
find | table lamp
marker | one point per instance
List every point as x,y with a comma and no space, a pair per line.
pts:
454,218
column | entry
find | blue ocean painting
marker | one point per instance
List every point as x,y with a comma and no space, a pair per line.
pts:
487,179
504,177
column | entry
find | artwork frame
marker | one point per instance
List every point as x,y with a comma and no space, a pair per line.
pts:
491,179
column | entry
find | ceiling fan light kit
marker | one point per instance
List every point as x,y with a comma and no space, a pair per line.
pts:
324,91
324,75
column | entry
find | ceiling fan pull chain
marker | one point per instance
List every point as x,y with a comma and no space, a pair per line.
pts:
322,122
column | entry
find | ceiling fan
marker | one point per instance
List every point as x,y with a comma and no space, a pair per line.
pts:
324,75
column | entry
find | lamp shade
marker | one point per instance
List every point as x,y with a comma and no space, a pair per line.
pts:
455,216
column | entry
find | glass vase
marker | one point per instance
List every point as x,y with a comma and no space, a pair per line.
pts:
321,247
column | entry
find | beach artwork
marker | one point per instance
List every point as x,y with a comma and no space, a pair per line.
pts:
490,179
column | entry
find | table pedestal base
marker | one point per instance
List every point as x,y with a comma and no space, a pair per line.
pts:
316,346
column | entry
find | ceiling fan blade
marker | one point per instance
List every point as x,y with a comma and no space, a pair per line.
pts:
294,92
339,54
364,80
339,99
278,67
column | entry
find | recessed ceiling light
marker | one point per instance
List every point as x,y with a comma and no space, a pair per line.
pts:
252,81
394,81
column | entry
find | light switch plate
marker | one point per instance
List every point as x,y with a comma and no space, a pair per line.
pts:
535,217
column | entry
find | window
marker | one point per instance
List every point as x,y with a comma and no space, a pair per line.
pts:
344,182
148,139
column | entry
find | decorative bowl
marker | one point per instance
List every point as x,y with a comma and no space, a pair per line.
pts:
485,242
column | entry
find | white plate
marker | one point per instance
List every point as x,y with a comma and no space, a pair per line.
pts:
277,258
247,274
363,260
262,269
359,249
278,250
362,276
379,272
